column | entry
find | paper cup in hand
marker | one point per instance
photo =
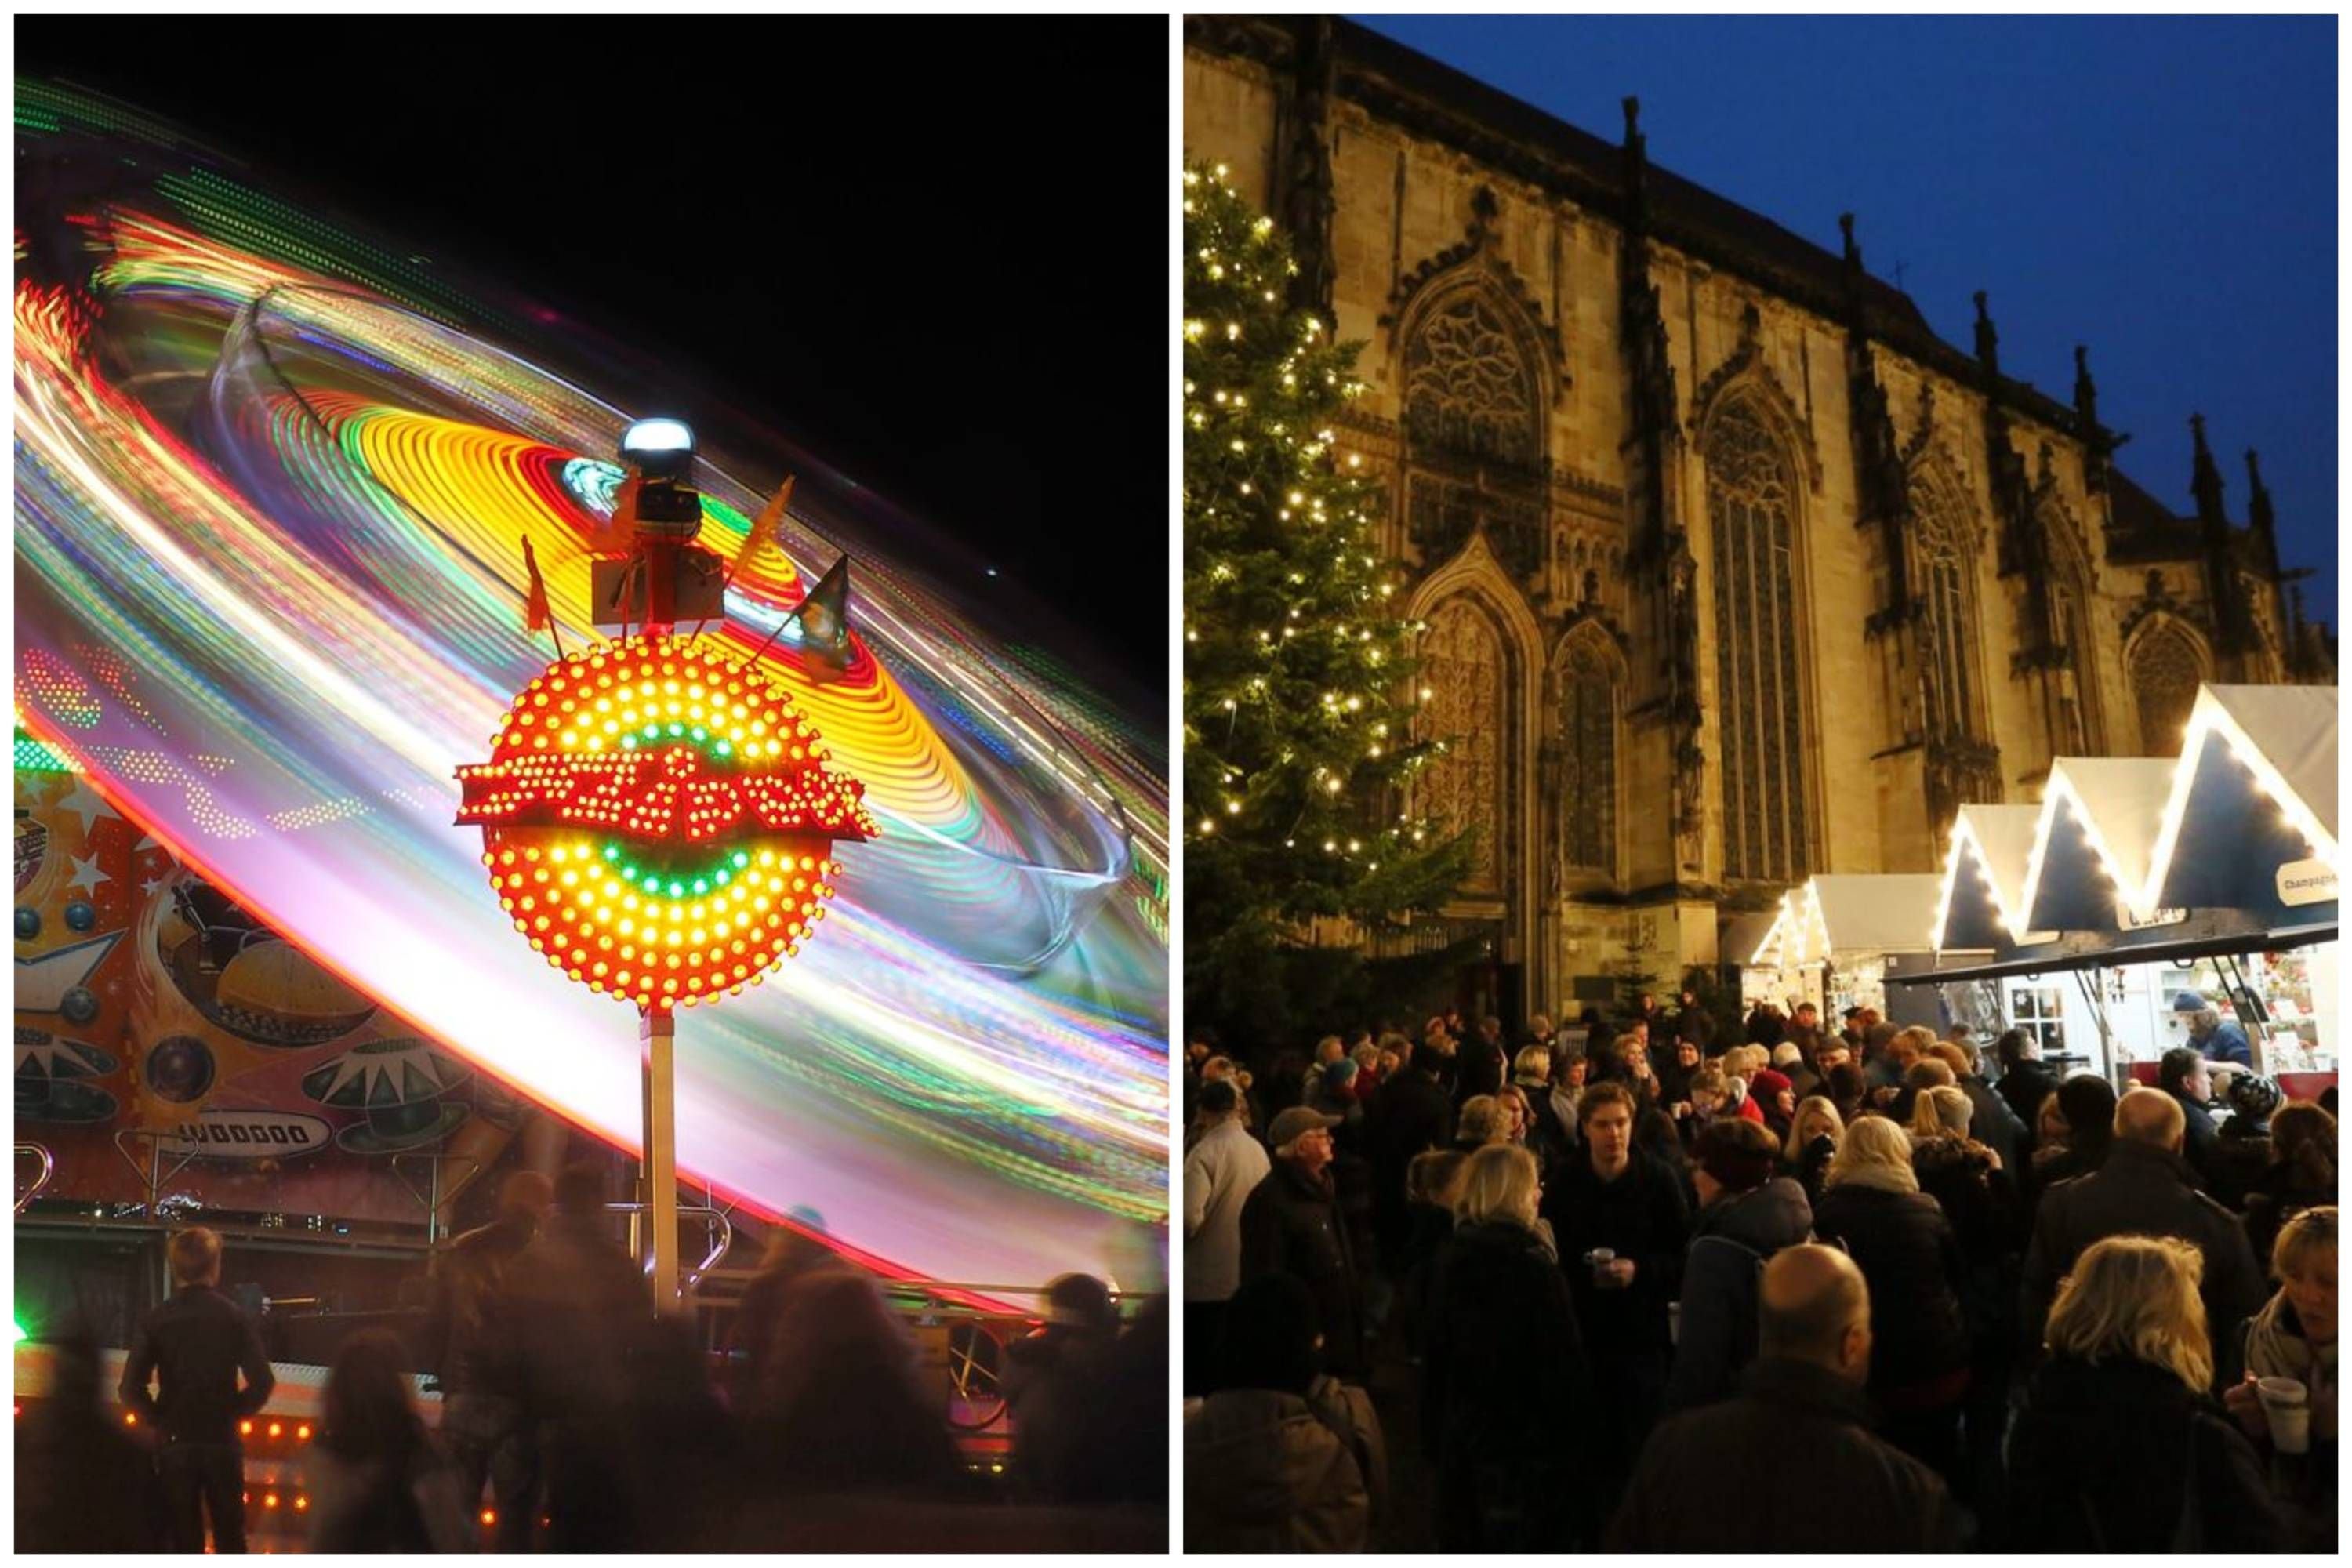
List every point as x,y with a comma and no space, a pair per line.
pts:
2286,1408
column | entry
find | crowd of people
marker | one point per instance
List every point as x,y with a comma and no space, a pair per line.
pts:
1600,1287
576,1419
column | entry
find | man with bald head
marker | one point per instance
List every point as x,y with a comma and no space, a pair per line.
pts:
1715,1479
2144,1188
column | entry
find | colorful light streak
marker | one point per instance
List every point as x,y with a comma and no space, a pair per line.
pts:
272,568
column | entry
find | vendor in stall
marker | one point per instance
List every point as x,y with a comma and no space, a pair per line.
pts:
2216,1039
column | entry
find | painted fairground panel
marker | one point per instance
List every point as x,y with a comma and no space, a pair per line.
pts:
165,1033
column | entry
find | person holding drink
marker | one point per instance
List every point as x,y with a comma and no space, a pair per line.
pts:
2285,1399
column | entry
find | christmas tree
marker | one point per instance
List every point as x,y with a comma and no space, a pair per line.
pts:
1299,697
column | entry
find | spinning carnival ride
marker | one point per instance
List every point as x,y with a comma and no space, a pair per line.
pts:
273,485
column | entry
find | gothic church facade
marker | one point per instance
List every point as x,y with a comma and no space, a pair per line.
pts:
1731,570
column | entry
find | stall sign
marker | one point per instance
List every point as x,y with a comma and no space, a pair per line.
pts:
2306,882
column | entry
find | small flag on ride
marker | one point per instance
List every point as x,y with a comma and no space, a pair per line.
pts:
824,615
763,527
535,613
615,533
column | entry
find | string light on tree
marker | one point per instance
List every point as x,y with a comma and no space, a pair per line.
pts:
1297,689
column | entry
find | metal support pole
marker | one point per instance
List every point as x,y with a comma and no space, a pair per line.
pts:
2094,992
657,1170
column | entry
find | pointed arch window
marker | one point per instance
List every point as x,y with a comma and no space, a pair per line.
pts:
2080,729
1474,429
1750,491
2165,672
1462,665
1587,734
1941,567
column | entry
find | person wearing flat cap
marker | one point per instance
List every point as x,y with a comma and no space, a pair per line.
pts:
1291,1224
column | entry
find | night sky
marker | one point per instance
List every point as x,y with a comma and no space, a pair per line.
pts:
2161,189
935,249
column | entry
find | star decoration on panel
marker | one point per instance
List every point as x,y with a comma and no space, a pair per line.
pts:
659,821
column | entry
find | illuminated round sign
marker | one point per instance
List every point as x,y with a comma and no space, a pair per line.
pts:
659,821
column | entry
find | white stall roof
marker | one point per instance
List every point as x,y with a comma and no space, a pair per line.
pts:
2286,735
1998,841
1839,915
2118,801
1890,913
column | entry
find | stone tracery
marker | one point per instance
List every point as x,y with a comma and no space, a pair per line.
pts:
1758,703
1463,667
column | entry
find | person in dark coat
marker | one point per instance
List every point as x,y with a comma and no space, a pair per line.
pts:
1547,1138
1675,1079
1872,1205
1967,1182
2025,1079
1805,1031
193,1346
1482,1065
572,1312
1746,1214
1409,1114
1432,1185
483,1424
1618,1199
2185,1076
2301,1175
2121,1446
2143,1189
1283,1457
848,1413
1696,1024
378,1481
2087,1104
84,1483
1507,1401
1292,1225
1844,1088
1714,1481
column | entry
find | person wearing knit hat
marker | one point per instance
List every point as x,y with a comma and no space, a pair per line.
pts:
2252,1098
2241,1149
1776,1097
1789,1063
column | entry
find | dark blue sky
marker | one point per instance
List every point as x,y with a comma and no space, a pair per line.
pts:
2161,189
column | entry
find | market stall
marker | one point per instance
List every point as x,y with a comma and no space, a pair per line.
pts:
2149,883
1833,939
2249,826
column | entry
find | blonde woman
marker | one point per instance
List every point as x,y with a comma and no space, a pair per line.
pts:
1872,1205
1505,1379
2294,1335
2120,1448
1813,1135
1518,1117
